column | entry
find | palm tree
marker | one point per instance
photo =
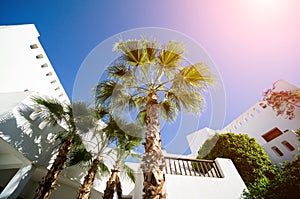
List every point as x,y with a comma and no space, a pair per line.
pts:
102,142
55,113
125,144
153,80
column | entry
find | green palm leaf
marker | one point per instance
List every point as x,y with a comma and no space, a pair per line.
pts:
49,110
150,50
173,98
141,117
104,91
139,102
169,110
128,172
132,51
103,168
197,75
171,54
78,155
118,70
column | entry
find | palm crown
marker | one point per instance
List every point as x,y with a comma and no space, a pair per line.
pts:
143,68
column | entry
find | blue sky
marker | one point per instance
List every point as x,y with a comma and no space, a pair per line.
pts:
253,43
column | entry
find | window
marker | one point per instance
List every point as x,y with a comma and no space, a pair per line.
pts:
272,134
53,81
263,105
288,145
40,56
277,151
57,88
44,65
48,74
33,46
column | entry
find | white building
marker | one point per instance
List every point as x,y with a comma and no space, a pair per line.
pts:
274,133
25,71
25,65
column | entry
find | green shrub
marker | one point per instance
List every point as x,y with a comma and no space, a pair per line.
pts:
247,155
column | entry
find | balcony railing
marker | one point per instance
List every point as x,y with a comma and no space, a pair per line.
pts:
192,167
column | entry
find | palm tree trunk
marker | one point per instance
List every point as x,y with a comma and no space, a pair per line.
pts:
86,187
119,187
153,160
113,182
49,181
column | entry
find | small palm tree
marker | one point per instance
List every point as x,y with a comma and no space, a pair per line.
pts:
55,113
153,80
102,142
125,144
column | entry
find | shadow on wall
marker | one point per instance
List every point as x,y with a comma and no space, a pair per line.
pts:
26,135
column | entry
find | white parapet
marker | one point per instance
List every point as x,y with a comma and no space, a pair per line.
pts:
229,186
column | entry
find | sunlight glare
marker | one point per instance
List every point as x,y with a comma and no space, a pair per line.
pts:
266,9
266,5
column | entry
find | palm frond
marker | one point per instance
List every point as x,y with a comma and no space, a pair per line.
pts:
117,70
141,117
120,100
132,51
174,99
84,117
150,50
50,110
78,155
127,172
136,155
104,90
191,101
103,168
197,75
139,102
169,110
171,54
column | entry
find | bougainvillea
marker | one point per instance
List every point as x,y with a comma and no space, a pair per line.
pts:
283,102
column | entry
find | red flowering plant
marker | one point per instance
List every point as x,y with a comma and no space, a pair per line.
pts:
283,102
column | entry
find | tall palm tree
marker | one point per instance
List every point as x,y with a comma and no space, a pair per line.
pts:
152,80
55,113
125,144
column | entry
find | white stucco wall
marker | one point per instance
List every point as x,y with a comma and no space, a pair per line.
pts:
255,122
289,136
231,186
258,121
191,187
20,70
197,138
